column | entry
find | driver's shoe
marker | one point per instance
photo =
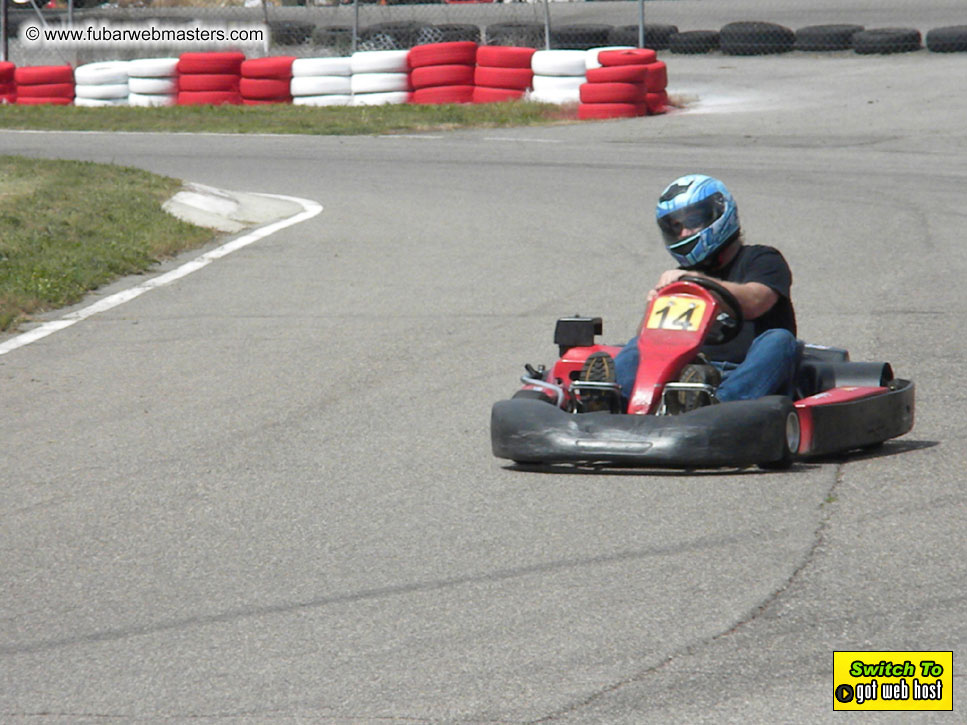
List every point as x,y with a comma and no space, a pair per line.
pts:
598,367
700,371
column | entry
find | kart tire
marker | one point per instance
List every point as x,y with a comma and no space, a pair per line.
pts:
326,99
152,85
214,63
557,97
151,100
657,35
43,75
104,91
264,89
791,443
632,56
489,77
272,68
886,40
554,84
309,67
46,90
109,72
528,35
612,93
209,82
826,37
591,59
580,37
208,98
379,82
442,75
951,39
379,61
7,71
320,85
152,67
559,63
43,101
656,103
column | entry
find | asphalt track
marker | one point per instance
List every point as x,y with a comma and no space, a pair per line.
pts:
265,492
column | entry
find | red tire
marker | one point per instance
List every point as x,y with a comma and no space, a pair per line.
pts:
632,56
277,67
44,101
587,111
208,82
441,75
263,89
46,90
211,63
43,74
8,98
443,94
482,94
617,74
208,98
265,101
504,56
6,71
461,52
656,102
612,93
8,88
492,77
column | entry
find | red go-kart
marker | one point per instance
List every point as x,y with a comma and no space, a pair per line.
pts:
839,405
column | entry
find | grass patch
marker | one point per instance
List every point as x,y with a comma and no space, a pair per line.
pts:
285,118
68,227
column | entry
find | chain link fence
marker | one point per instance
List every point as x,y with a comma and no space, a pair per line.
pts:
338,27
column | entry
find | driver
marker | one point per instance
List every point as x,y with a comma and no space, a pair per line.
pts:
699,223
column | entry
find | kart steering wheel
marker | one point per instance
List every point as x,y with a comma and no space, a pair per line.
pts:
728,324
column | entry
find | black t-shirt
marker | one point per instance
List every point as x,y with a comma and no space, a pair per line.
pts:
756,263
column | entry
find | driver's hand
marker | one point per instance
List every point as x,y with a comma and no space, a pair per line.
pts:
666,278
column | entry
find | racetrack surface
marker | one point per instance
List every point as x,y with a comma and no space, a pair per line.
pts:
265,492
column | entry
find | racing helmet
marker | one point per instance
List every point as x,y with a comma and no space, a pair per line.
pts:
697,217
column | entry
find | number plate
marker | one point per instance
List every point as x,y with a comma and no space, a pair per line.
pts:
676,313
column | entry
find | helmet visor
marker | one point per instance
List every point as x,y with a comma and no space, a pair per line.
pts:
681,225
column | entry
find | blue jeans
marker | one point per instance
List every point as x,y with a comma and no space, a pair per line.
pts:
769,368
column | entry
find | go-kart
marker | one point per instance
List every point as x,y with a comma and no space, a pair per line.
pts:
557,416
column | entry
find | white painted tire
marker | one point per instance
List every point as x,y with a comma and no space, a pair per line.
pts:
559,62
153,86
109,72
320,85
380,82
101,92
330,99
591,61
321,67
153,67
100,102
379,61
559,97
151,100
554,84
380,99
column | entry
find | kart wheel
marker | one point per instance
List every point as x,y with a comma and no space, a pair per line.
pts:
791,442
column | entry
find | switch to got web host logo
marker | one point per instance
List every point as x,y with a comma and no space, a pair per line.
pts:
892,680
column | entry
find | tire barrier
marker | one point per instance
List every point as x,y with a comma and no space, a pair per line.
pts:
266,80
753,38
44,85
101,84
443,72
8,86
321,81
522,35
628,83
580,37
503,73
951,39
887,40
694,42
826,37
379,77
591,56
558,76
152,82
656,35
209,78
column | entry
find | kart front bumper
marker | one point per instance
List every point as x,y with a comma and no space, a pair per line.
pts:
739,433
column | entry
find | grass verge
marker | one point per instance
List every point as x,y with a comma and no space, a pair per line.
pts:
68,227
284,118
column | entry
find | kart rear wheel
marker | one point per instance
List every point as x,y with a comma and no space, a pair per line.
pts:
790,443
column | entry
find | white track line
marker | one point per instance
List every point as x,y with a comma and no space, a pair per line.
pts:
310,209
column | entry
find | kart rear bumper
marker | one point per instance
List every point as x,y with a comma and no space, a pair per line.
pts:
739,433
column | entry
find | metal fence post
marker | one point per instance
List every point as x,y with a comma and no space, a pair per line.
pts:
547,25
355,26
641,23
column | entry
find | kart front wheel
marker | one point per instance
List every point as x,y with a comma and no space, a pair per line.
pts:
790,443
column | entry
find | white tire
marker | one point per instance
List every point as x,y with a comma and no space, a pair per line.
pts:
321,67
380,99
554,84
380,82
331,99
320,85
559,97
559,62
150,100
101,92
153,67
153,86
379,61
100,102
109,72
591,60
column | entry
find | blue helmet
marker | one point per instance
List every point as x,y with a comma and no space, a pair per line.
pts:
697,216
